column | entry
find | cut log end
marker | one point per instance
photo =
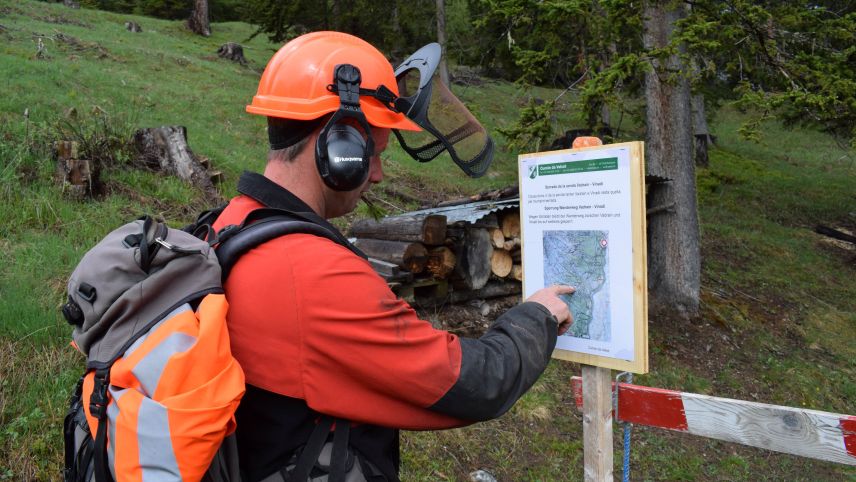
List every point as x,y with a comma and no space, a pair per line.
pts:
501,263
473,267
441,262
411,256
497,239
511,224
434,230
511,244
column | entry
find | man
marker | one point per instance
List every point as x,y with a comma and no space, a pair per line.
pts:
335,364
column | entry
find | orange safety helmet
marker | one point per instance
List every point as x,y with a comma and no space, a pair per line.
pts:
294,83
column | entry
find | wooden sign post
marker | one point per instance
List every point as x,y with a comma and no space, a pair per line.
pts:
597,423
582,214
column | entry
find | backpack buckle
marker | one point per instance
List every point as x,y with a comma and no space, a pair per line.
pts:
98,401
227,232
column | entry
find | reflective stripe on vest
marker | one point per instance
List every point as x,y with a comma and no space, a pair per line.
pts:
173,395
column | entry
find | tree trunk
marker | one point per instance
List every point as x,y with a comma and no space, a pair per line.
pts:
674,264
441,39
701,133
198,21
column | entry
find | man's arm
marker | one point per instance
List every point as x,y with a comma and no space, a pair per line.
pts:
368,357
498,368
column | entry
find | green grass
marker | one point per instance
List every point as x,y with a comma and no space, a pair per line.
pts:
778,313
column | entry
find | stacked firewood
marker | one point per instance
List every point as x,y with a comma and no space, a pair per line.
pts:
458,261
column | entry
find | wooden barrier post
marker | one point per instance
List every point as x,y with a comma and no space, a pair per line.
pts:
597,423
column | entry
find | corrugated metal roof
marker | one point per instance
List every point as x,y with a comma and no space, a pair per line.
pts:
470,212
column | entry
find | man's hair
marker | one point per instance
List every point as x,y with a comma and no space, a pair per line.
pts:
288,137
289,153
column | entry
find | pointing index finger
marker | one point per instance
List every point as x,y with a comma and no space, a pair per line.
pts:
564,289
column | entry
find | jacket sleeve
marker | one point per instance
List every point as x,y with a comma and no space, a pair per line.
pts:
498,368
366,356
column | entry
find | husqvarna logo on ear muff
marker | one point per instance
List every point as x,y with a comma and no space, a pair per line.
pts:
347,159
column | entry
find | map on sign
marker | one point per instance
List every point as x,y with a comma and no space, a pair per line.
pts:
581,259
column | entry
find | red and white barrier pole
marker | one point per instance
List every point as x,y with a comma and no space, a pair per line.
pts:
807,433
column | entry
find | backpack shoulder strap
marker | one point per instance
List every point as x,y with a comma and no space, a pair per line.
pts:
261,226
205,218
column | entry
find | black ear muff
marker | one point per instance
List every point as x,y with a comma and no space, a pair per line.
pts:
343,161
342,153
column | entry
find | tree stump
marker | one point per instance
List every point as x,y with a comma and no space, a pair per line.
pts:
233,52
165,149
80,177
133,27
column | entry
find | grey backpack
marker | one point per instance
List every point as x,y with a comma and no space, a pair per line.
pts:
158,396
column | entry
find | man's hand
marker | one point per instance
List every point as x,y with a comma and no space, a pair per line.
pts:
549,297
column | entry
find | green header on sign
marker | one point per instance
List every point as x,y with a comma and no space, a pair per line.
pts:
606,164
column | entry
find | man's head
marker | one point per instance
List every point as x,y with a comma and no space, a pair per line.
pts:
295,167
327,96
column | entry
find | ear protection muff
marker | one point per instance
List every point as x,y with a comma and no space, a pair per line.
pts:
342,153
343,161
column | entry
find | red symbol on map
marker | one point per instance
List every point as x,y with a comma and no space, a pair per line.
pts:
603,243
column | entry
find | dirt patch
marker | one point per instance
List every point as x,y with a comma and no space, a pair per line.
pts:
73,44
62,20
844,250
471,319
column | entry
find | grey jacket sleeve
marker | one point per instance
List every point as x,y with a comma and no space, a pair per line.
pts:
498,368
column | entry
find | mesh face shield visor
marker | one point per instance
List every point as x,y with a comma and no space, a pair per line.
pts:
448,126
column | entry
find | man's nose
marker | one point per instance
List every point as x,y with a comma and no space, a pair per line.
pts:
375,170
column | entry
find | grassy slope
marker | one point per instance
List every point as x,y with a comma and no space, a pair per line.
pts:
779,319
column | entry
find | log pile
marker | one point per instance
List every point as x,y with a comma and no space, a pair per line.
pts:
427,259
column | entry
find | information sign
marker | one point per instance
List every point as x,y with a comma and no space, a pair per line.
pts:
582,215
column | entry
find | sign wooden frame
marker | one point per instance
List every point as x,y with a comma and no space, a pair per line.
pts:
639,261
